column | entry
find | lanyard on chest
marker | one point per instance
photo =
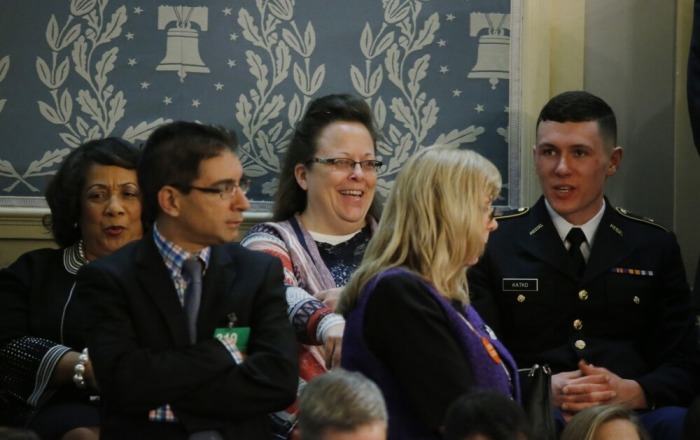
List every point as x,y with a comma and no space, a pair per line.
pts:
488,346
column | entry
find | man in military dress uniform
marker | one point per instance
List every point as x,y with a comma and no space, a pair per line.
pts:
609,313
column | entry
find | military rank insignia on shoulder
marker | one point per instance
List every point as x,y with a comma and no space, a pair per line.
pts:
511,213
625,213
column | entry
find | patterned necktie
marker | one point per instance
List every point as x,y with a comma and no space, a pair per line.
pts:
192,270
576,237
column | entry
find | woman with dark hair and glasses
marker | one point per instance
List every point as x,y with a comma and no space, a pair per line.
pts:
46,377
323,217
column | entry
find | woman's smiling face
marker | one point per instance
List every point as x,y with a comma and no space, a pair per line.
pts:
337,200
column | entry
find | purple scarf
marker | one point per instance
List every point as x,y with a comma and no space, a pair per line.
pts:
487,373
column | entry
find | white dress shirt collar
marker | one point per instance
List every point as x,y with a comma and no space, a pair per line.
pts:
589,228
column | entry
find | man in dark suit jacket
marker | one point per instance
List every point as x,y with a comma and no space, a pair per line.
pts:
621,330
159,376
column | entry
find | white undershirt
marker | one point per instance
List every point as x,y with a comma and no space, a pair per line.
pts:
332,239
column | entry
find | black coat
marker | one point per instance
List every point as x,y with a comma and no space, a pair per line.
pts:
39,322
629,313
137,335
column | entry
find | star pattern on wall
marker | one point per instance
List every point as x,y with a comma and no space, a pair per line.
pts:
282,70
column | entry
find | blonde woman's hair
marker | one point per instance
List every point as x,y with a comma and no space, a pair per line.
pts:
433,222
585,424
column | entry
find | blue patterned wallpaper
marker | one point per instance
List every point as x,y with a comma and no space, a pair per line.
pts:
73,70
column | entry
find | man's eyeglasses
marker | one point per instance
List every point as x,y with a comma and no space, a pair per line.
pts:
348,165
225,191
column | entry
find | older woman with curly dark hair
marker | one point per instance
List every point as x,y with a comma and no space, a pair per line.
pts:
46,379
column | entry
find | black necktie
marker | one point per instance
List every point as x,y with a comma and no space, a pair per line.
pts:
192,270
576,237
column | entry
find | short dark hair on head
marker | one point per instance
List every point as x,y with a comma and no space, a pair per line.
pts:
580,106
172,154
320,113
64,190
488,413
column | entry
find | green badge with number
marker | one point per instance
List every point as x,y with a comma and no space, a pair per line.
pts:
237,335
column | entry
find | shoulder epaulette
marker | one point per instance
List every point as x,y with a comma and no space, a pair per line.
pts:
511,213
625,213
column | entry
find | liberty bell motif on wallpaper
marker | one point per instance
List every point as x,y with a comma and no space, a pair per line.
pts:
182,49
493,56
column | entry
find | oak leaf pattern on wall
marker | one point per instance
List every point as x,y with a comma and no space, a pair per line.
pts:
116,68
